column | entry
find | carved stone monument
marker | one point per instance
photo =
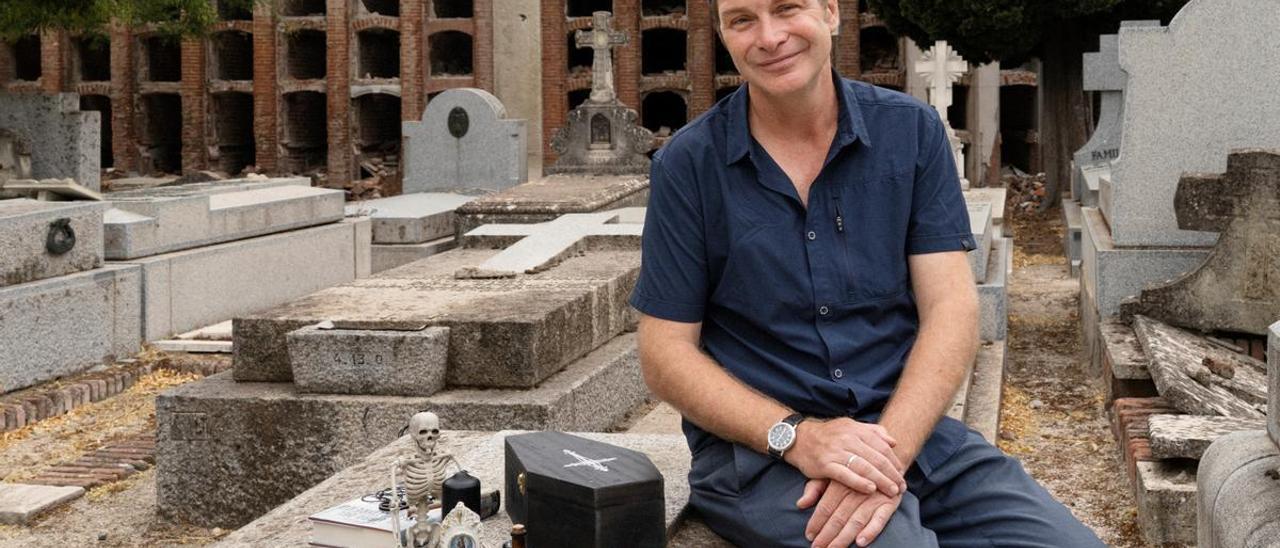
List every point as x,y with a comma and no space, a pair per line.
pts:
1237,288
602,135
465,142
941,67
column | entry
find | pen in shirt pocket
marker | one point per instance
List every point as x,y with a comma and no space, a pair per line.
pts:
839,216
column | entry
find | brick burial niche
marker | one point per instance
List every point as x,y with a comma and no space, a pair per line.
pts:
26,58
305,146
233,132
160,141
232,55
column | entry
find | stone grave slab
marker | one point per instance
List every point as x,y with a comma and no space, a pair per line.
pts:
409,361
19,502
1273,380
188,289
1166,493
1110,273
1236,288
62,140
550,197
229,451
40,240
481,454
464,141
541,246
980,220
1237,494
996,196
1202,378
1072,218
412,218
504,332
64,325
388,256
993,296
982,404
1188,436
152,221
1167,94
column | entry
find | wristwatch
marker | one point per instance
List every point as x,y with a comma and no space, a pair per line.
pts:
783,435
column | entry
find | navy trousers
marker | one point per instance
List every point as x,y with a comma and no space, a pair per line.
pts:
978,497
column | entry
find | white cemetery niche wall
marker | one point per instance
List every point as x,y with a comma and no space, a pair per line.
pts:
1197,88
464,142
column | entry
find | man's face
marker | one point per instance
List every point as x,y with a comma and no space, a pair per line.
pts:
779,46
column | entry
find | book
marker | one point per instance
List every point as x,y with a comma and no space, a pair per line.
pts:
357,524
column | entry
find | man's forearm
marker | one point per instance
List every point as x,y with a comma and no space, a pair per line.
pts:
938,364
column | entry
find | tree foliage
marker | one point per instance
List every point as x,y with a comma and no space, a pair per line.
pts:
172,17
1010,30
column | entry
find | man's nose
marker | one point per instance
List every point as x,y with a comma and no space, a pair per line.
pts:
772,33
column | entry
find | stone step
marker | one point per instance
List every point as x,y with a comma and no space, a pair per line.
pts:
1166,495
993,296
411,218
20,503
229,451
389,256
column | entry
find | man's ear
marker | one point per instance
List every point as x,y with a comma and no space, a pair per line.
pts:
832,11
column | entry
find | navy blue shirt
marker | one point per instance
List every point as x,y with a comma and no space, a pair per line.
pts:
811,306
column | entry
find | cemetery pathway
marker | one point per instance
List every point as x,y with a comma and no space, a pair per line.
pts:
1052,417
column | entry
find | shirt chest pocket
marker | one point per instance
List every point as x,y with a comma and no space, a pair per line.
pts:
872,217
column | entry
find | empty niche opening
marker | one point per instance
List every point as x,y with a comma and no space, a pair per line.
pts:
663,112
724,62
451,9
378,134
379,53
306,53
1017,121
162,132
577,97
302,8
584,8
26,58
92,58
233,55
663,51
306,132
233,131
163,56
580,59
235,10
102,104
451,54
383,7
658,8
958,112
879,50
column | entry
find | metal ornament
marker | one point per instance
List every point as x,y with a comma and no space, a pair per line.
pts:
61,239
459,122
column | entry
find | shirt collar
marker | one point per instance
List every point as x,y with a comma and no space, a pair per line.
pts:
850,125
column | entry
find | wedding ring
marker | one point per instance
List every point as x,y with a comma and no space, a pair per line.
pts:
852,459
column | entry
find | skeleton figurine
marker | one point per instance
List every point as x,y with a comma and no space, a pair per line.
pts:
424,475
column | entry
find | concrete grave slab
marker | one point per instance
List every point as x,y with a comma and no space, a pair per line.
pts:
982,407
1188,436
1237,288
188,289
229,451
1165,95
41,240
541,246
160,220
996,196
1201,378
376,362
20,503
464,141
1111,273
388,256
550,197
504,333
62,140
1166,493
993,296
980,221
1237,493
1273,380
481,455
64,325
1073,220
412,218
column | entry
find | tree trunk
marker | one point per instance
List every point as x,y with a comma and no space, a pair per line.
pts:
1065,111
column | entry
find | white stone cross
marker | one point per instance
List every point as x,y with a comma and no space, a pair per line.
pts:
543,245
601,38
941,67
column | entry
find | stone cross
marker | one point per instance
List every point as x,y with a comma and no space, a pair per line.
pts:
1237,288
543,245
941,67
602,39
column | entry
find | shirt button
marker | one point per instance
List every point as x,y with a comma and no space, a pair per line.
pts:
823,310
812,235
837,373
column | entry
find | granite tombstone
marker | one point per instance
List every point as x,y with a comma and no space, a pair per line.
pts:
465,142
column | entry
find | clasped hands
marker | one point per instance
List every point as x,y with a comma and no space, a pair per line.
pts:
855,480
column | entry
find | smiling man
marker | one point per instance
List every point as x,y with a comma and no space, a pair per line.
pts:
807,305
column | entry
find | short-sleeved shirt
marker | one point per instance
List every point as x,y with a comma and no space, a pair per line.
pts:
810,306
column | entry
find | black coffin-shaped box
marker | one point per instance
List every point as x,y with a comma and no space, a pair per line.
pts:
572,491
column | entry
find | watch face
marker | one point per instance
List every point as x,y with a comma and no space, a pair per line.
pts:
781,436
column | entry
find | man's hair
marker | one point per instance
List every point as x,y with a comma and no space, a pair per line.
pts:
715,13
